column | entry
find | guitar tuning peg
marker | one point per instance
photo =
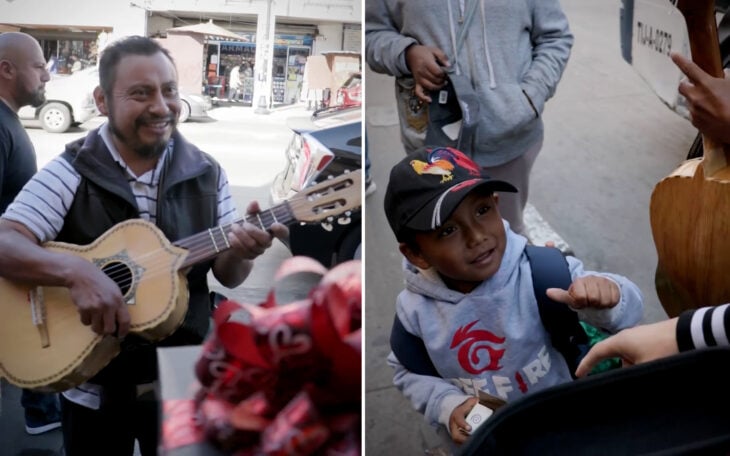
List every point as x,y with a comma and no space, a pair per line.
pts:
302,223
344,220
330,219
327,226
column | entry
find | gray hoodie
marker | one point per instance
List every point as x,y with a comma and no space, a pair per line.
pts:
491,339
514,54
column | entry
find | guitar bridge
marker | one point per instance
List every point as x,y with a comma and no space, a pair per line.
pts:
38,313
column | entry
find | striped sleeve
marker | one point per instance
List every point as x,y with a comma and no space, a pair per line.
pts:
704,327
227,212
44,201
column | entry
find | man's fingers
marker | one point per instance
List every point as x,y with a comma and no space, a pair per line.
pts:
441,56
685,87
85,317
421,94
694,73
97,323
109,320
279,231
123,321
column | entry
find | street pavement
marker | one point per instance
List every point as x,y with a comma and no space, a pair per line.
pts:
608,141
251,148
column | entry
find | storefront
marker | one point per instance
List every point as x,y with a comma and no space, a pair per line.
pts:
290,56
69,49
222,56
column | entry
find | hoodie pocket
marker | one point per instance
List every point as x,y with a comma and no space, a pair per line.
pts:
505,112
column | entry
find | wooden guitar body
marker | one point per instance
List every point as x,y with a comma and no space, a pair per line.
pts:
44,345
145,265
690,217
690,208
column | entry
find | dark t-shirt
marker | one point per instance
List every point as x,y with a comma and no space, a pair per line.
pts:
17,156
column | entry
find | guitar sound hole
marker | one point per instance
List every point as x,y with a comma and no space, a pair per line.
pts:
121,274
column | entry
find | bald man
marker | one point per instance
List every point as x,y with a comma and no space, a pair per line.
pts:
23,76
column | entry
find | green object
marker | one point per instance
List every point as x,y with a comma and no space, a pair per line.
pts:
595,335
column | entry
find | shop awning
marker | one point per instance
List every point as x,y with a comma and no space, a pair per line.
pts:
8,28
209,30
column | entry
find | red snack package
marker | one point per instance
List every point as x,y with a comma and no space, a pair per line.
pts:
225,430
296,431
230,366
180,426
301,359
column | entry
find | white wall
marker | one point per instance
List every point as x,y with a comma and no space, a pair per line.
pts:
312,10
329,39
123,18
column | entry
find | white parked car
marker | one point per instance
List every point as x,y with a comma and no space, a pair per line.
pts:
194,106
70,101
650,30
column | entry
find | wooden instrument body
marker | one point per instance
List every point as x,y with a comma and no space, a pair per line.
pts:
691,227
157,301
44,345
690,208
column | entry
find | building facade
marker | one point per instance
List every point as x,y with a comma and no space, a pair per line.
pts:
270,40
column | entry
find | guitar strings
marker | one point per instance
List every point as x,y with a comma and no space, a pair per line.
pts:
200,245
203,245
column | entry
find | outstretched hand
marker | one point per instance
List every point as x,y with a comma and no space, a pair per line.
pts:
426,64
590,291
708,99
633,345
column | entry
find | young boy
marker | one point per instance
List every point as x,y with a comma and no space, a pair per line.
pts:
469,293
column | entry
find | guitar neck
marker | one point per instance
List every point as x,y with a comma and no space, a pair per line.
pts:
704,45
324,200
208,244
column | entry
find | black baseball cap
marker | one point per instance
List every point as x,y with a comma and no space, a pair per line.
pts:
427,186
455,102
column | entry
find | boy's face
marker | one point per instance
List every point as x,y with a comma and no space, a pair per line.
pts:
468,248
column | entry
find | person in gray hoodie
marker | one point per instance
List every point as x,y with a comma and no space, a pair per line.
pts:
511,54
469,295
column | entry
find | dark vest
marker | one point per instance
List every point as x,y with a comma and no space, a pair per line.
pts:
187,204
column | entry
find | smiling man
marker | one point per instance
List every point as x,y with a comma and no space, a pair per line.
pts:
136,165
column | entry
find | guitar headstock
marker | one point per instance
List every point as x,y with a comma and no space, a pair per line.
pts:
328,198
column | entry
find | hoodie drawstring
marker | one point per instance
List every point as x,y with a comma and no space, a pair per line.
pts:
454,64
490,70
465,24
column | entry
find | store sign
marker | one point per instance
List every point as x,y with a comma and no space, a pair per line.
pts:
293,40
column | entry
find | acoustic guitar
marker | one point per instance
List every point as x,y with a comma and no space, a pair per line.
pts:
44,345
690,208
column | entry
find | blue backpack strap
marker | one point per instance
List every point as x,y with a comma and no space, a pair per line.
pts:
410,350
550,270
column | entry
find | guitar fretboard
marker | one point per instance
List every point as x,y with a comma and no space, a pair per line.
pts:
207,244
